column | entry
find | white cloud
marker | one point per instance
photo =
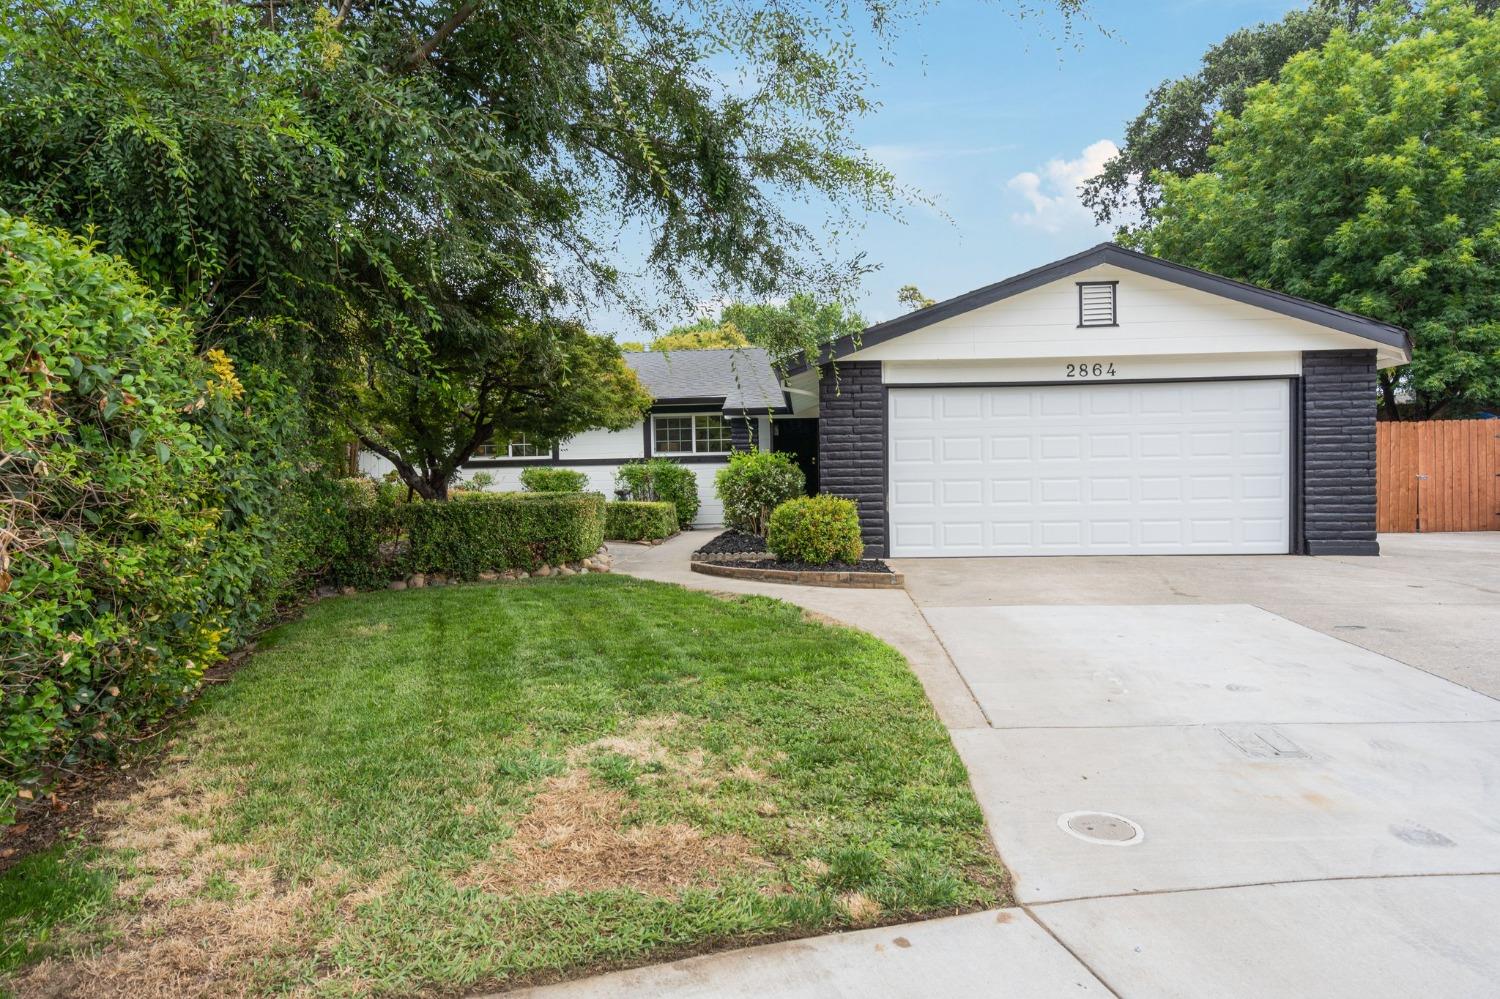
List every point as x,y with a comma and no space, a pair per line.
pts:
1053,192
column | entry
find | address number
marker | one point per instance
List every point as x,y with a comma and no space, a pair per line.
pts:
1096,369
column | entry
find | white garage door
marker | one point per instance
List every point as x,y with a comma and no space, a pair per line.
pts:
1163,468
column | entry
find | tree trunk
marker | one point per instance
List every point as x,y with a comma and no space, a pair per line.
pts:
1388,395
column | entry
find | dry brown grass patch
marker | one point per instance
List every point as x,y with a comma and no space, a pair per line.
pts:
577,837
177,940
862,909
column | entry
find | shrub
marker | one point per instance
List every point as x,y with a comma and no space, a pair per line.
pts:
754,484
479,532
141,494
634,520
665,480
815,529
542,479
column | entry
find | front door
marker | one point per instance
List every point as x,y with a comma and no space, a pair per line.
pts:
799,438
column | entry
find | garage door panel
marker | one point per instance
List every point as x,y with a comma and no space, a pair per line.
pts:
1118,469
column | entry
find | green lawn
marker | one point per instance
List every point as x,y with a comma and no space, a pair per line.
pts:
441,790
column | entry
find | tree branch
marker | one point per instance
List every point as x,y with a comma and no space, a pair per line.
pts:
447,28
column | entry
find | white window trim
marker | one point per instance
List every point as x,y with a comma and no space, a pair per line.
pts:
694,451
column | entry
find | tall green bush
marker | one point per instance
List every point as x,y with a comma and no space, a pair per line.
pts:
754,484
546,479
816,529
665,480
139,503
479,532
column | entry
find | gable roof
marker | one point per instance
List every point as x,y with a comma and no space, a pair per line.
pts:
1131,260
741,378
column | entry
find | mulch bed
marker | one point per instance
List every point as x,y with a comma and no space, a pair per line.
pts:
863,565
733,542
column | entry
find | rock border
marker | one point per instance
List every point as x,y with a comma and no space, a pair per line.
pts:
836,578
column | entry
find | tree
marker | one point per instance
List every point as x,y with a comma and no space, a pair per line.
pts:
546,380
1368,178
1171,135
718,336
911,297
801,324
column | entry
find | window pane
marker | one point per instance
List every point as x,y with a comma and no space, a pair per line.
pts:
674,435
519,448
713,433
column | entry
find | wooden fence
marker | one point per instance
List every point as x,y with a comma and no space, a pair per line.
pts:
1441,475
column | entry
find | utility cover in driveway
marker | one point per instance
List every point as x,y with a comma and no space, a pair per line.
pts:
1091,469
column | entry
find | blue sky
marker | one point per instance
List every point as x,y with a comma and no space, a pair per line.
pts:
997,122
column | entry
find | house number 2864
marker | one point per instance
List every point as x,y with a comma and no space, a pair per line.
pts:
1096,369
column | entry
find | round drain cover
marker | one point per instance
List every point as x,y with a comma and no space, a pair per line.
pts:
1105,828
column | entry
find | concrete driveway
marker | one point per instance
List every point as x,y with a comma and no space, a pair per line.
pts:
1258,807
1255,776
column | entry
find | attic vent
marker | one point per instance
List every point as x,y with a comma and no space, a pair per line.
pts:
1096,303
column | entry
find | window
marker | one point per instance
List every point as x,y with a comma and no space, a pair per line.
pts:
699,433
519,447
1096,303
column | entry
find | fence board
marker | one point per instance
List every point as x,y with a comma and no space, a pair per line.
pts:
1439,475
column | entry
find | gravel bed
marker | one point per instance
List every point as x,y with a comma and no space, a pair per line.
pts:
733,542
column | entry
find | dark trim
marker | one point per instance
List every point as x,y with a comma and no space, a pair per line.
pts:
685,459
710,404
1296,543
556,451
1140,263
646,433
1114,305
507,462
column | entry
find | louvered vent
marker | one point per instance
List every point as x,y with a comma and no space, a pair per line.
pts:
1096,303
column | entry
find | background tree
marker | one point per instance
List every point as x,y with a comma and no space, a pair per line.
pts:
718,336
1171,135
1368,178
911,298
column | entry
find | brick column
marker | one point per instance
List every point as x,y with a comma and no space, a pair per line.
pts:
852,444
741,432
1338,452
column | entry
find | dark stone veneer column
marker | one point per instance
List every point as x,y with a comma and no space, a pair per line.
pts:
1338,452
741,432
852,444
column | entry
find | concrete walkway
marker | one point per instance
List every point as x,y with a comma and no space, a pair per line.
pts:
1195,795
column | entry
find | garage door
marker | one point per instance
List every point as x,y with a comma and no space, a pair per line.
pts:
1161,468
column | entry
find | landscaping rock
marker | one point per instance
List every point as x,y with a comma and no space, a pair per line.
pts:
348,591
398,584
416,580
523,574
543,570
563,570
326,591
437,579
488,577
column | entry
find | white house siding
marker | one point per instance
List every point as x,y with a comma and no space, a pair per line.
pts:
594,446
1156,318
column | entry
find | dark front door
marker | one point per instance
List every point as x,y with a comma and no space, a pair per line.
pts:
799,438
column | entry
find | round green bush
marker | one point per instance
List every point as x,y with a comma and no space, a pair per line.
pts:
665,480
815,529
544,479
754,484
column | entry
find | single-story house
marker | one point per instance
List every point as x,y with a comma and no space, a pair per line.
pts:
1110,403
707,403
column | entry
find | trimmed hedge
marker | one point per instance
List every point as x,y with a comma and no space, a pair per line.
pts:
542,479
817,530
490,532
662,479
754,484
634,520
